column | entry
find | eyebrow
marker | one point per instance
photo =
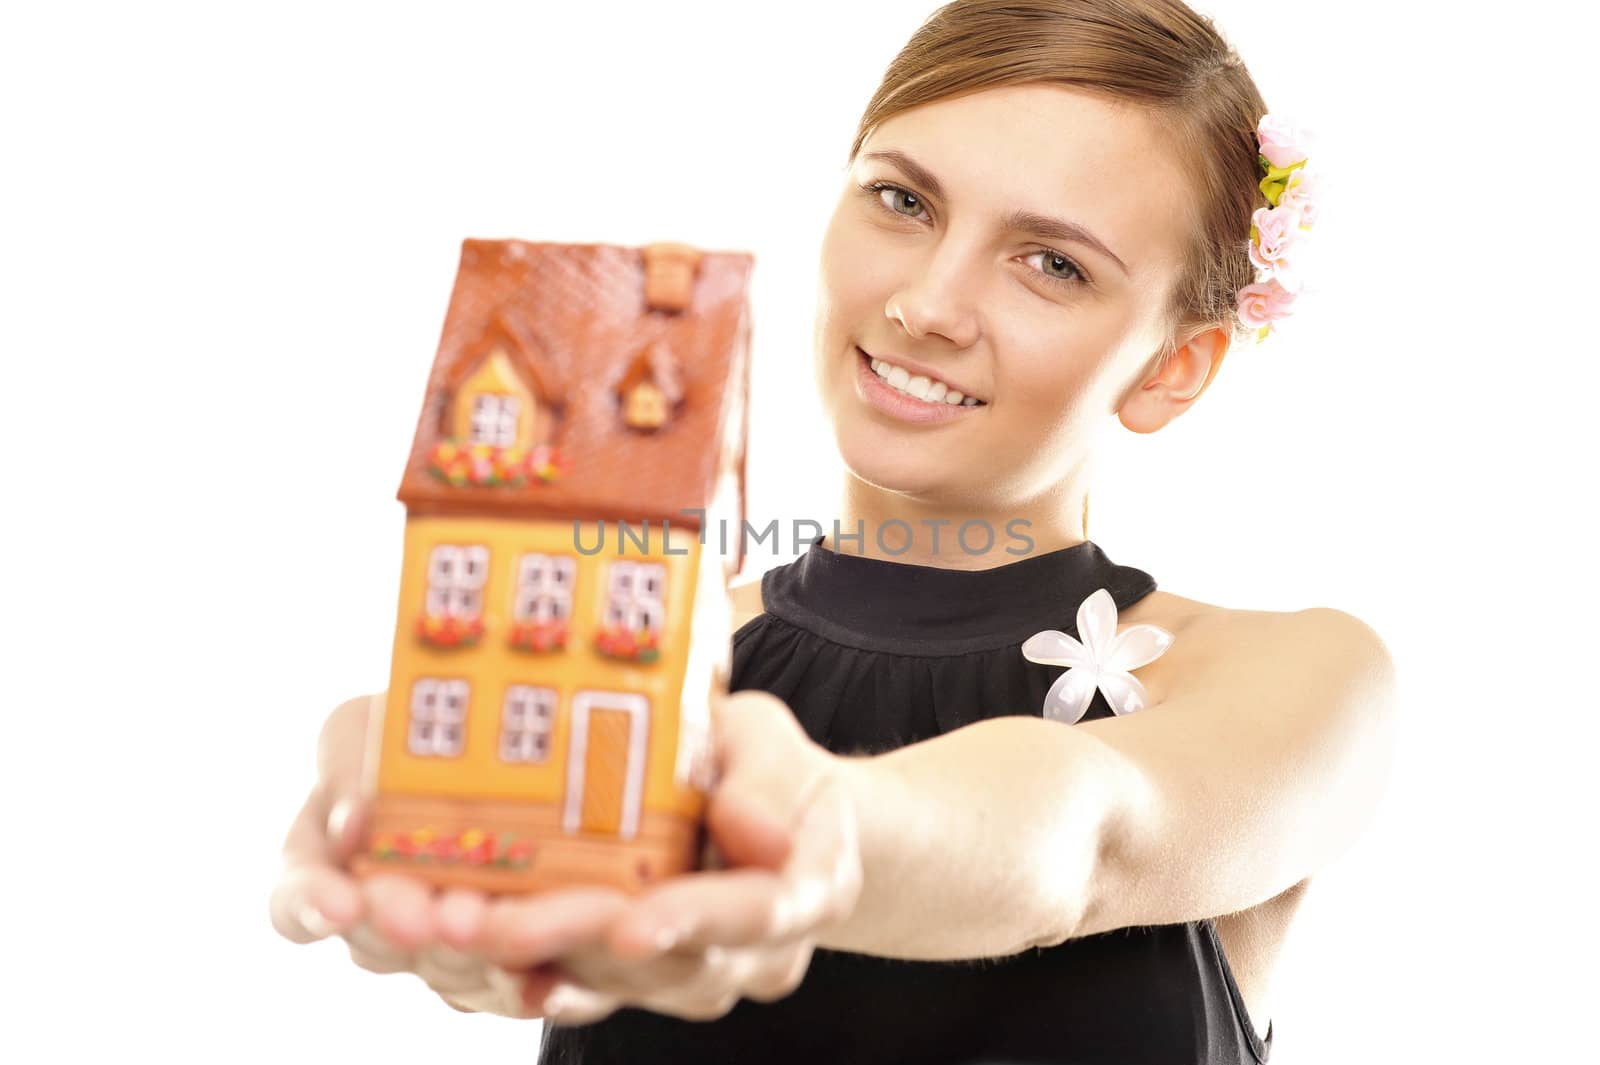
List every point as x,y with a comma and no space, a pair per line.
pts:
1023,221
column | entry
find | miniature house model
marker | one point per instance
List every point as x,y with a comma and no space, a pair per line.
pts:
562,626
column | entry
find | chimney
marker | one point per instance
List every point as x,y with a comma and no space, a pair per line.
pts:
669,271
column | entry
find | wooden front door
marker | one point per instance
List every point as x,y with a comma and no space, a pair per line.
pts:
605,769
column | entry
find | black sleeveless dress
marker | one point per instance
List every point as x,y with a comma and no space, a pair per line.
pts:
872,655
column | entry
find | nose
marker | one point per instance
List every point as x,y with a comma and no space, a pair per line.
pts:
937,302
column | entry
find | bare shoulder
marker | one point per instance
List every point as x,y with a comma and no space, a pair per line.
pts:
1210,635
745,593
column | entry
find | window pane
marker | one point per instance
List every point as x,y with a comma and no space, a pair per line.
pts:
454,700
523,611
622,578
474,566
421,741
443,564
424,697
652,579
562,571
534,571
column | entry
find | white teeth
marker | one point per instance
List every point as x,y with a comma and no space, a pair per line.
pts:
923,388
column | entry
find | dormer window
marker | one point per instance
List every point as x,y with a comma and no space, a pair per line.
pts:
494,419
650,388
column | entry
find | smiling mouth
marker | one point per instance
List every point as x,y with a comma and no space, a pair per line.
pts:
916,386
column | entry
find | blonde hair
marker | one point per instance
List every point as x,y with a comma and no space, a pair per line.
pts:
1158,54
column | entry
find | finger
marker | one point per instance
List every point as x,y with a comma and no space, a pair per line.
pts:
711,992
502,995
745,834
780,972
570,1004
735,907
519,932
456,1005
401,909
309,904
371,951
694,973
445,969
314,898
459,915
822,881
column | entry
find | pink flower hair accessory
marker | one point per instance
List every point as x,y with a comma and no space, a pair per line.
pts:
1278,231
1101,660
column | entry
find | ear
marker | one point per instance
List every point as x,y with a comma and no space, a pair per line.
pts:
1169,391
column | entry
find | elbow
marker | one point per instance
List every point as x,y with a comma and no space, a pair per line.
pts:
1090,874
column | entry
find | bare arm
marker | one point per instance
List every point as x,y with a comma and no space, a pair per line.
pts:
1016,831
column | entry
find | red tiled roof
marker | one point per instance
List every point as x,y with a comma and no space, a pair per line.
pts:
574,320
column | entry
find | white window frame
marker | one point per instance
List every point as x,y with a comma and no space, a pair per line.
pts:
527,723
456,576
494,419
636,595
544,587
437,725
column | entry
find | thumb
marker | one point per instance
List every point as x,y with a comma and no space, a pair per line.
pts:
349,818
745,833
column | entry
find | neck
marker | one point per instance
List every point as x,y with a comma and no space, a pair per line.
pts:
928,532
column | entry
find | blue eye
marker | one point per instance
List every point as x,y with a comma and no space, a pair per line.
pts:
1077,275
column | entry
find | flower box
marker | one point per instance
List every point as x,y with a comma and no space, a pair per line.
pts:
473,846
619,641
484,465
444,630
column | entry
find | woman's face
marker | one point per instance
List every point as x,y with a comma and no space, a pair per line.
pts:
940,270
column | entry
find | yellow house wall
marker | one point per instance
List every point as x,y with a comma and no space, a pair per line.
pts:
491,665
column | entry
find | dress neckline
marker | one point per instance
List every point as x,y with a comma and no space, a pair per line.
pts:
907,608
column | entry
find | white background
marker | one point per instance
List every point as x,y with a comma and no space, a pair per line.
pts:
229,236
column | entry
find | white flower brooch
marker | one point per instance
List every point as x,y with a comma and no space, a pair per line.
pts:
1101,661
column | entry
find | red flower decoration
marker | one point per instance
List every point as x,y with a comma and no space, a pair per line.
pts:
446,630
485,465
619,641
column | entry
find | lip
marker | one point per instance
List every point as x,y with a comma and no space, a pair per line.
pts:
872,389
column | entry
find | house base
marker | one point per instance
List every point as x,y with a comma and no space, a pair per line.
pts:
520,847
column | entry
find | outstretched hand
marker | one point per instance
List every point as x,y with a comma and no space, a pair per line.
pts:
786,866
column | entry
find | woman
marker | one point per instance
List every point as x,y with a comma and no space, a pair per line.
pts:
1048,210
